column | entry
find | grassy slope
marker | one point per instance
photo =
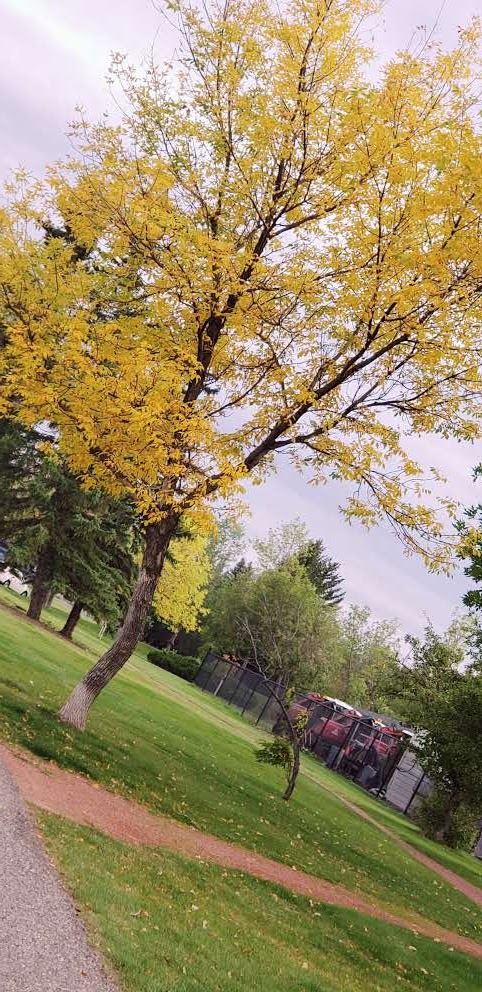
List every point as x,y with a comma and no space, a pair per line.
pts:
169,923
459,861
214,709
156,739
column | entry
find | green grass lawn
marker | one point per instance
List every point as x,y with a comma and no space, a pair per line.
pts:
459,861
163,742
165,922
225,716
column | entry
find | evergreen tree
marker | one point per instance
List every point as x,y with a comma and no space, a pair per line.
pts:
322,571
74,540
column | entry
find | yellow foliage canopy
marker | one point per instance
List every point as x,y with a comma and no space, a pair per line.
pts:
181,590
271,253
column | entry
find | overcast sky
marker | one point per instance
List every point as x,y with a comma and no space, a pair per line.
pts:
54,55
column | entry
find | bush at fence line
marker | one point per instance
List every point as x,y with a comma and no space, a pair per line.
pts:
185,666
457,830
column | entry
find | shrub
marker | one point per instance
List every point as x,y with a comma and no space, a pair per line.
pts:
185,666
458,830
275,752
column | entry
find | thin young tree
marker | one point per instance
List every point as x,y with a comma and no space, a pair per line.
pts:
282,255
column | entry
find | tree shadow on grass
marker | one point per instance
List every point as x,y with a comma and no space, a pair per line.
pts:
36,728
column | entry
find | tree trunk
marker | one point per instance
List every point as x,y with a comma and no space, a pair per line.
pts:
295,747
49,599
172,640
453,804
295,767
40,585
76,709
72,620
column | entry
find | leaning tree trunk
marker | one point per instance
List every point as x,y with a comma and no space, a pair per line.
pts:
293,736
72,620
40,585
295,746
76,709
295,768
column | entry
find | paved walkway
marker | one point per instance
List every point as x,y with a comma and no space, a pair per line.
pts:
81,801
43,943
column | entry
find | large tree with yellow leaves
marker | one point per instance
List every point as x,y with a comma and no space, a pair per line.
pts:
275,251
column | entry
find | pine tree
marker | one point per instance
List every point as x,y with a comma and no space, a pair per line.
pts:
322,571
74,540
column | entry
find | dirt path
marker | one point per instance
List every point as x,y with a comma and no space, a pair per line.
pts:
76,798
456,881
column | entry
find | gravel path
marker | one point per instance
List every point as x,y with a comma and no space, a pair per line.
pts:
43,943
80,800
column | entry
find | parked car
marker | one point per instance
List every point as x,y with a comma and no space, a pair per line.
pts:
14,582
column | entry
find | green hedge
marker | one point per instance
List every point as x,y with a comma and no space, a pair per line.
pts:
185,666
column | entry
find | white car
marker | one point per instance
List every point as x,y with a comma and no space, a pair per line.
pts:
13,582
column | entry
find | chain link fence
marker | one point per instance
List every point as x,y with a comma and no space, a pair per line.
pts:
368,754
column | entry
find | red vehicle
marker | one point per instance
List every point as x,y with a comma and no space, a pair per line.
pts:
369,751
327,718
356,740
333,729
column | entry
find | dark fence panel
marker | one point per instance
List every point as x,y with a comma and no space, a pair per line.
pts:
260,707
247,685
203,674
217,677
229,683
272,710
256,703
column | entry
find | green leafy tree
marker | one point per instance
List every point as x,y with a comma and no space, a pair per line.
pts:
76,541
225,546
281,544
444,700
291,540
434,668
364,660
450,753
275,617
284,751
